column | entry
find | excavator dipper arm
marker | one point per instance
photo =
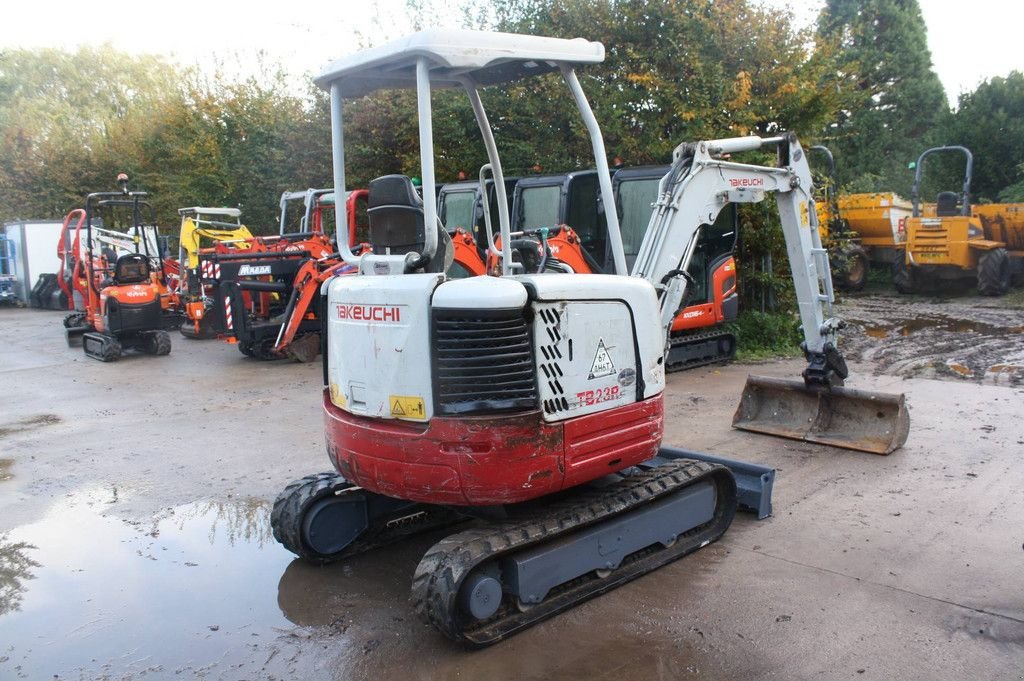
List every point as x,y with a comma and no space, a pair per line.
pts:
699,185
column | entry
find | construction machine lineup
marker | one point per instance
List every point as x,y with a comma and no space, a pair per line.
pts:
495,351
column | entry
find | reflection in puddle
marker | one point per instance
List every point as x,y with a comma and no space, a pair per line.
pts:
15,569
193,586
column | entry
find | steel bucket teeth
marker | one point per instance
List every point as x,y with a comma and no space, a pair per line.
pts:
863,420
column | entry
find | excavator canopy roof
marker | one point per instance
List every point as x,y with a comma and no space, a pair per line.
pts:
487,58
200,210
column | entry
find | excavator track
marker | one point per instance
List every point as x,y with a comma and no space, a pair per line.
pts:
460,573
689,350
101,346
291,525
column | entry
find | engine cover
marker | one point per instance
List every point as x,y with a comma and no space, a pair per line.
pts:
598,343
378,354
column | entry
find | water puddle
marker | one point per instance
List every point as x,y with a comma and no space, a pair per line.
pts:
5,469
908,327
84,593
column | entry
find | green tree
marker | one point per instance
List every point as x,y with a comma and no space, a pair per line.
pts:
990,122
894,103
59,111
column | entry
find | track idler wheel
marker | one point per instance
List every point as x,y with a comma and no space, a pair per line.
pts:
323,518
308,521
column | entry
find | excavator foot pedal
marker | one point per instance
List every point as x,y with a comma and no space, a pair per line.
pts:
862,420
101,346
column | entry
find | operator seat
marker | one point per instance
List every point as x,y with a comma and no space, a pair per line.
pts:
946,204
131,268
395,210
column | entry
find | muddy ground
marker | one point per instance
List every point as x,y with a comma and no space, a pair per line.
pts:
135,543
969,337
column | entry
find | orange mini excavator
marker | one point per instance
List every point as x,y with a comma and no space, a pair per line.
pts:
116,277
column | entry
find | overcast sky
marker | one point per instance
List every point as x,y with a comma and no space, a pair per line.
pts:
968,43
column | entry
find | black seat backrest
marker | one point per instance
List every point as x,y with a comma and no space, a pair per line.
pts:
131,268
396,216
395,210
945,204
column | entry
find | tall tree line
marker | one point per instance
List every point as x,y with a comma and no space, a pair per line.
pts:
677,70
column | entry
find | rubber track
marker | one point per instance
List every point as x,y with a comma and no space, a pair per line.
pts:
443,569
679,341
295,500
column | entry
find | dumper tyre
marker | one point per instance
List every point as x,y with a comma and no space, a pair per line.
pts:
902,275
994,273
855,271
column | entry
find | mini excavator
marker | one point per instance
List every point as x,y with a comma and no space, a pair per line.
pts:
117,278
531,402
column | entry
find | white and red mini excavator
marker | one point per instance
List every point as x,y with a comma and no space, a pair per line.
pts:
533,403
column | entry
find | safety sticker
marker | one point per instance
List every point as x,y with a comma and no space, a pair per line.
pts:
805,214
406,407
603,365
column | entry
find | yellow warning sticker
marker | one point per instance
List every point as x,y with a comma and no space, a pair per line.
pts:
805,217
407,407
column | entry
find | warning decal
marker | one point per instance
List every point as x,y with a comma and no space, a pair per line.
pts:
603,365
405,407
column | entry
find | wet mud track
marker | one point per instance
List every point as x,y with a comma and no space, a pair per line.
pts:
969,338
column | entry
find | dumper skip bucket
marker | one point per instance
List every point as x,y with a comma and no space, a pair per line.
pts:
864,420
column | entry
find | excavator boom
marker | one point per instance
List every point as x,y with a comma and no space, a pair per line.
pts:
700,183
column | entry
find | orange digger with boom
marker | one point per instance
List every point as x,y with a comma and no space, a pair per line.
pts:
262,298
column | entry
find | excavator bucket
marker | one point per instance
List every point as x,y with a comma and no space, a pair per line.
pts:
305,348
863,420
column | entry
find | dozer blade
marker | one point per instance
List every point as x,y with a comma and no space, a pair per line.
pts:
73,335
863,420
